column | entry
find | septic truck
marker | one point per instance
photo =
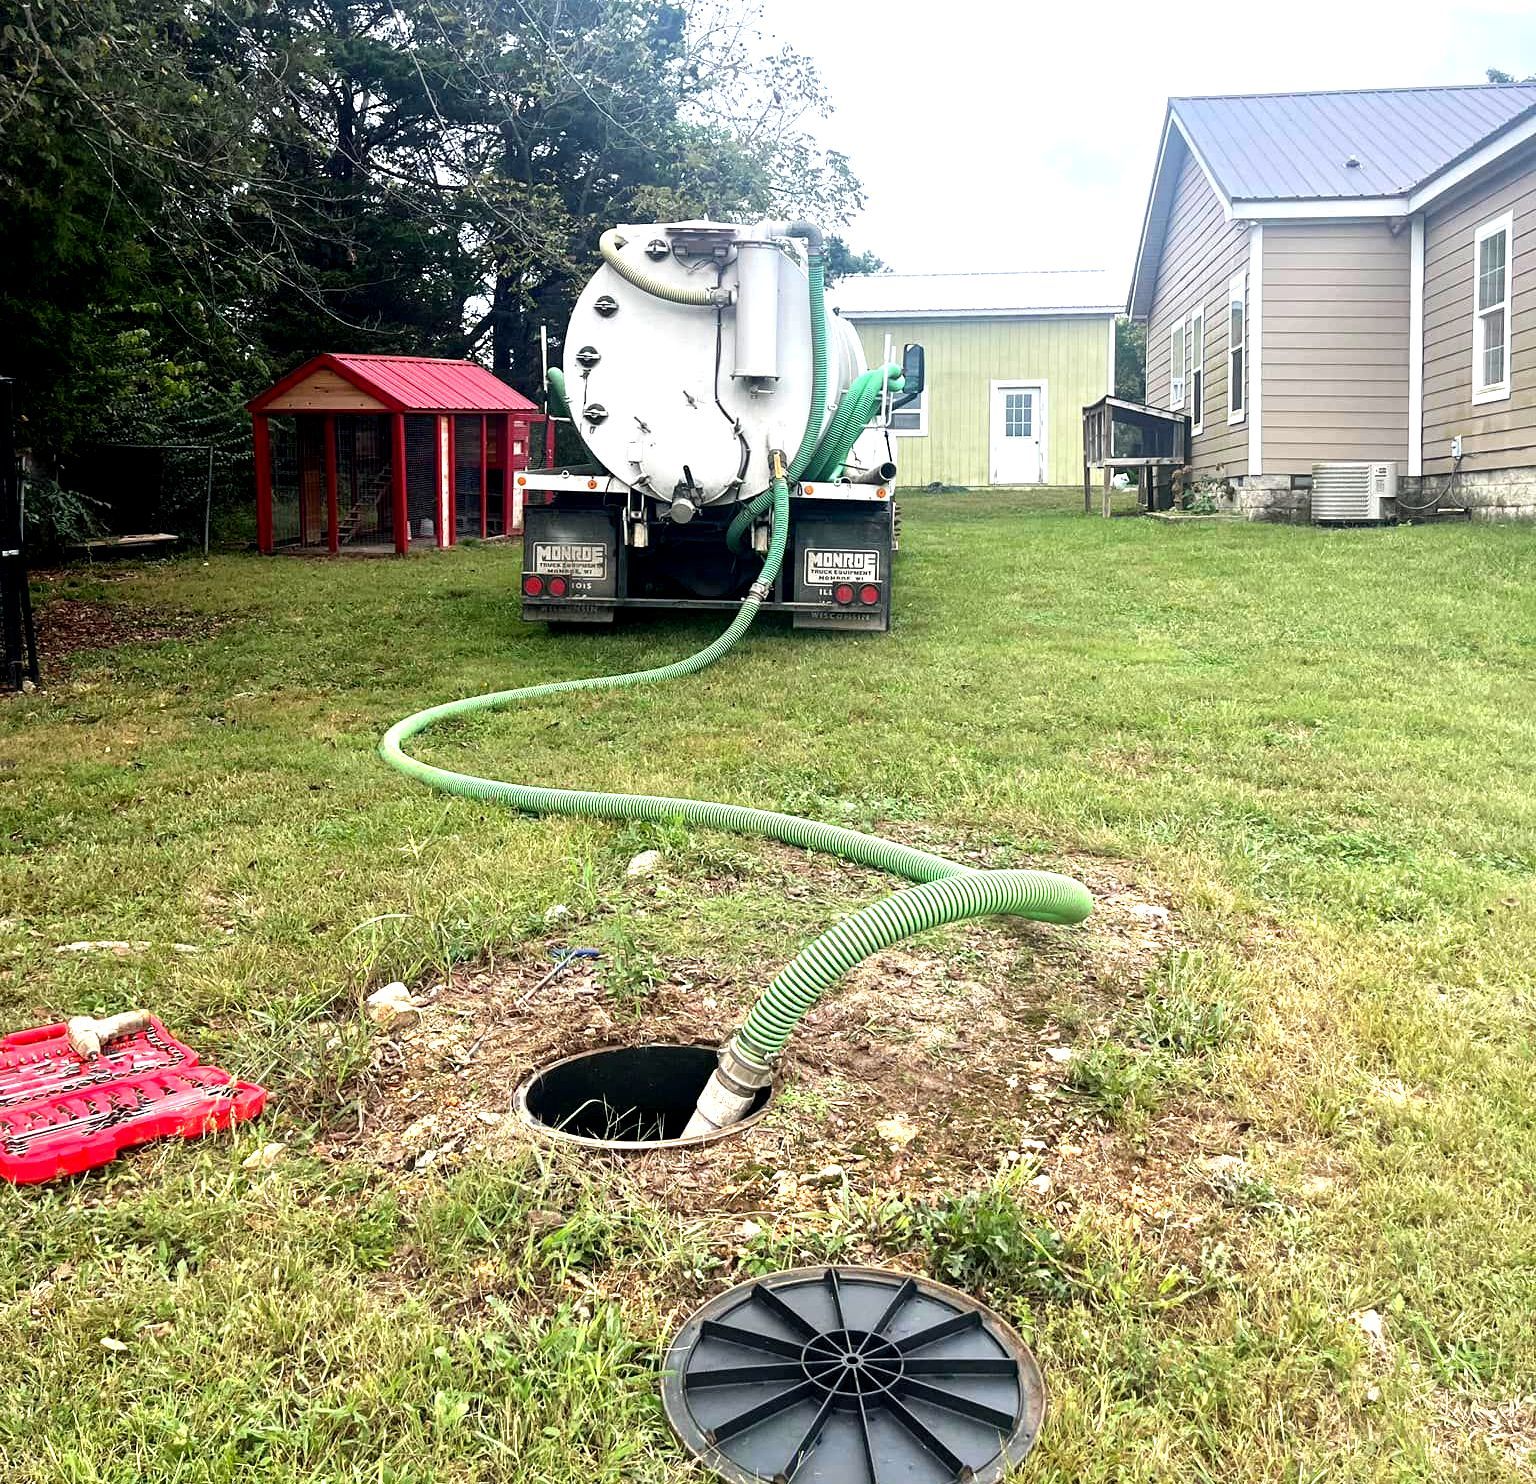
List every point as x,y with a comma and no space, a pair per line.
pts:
700,363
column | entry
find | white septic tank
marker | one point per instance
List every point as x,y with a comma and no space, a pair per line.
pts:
683,401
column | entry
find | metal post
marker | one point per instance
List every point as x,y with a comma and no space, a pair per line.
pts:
19,636
485,508
208,504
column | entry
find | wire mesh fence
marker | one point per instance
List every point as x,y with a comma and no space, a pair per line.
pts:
421,476
365,513
467,465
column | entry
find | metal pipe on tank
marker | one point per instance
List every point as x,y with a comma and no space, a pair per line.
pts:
880,474
757,311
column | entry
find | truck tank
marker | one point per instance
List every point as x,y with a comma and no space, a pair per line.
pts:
689,364
683,399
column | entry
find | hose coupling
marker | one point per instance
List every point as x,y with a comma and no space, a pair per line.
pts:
731,1090
759,591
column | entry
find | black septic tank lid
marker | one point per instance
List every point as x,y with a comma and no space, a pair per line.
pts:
852,1376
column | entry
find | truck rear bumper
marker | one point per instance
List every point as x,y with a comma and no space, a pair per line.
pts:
584,561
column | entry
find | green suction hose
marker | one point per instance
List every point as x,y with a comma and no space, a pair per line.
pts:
950,893
854,409
559,403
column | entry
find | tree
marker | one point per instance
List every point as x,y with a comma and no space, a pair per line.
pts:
1130,360
199,192
611,110
126,135
843,262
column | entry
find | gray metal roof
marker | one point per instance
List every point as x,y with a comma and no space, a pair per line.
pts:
1293,146
975,295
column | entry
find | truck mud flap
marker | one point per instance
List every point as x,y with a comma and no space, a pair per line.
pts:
570,558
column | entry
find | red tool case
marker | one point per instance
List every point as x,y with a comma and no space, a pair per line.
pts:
61,1113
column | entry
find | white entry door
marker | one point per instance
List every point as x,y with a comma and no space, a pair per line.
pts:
1018,432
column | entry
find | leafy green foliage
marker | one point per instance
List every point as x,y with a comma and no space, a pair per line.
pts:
200,194
844,262
988,1240
1130,359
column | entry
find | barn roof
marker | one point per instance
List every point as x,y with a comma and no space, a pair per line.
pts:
976,295
410,384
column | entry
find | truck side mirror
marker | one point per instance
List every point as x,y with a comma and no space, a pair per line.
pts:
912,370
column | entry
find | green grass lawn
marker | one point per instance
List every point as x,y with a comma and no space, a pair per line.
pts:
1318,746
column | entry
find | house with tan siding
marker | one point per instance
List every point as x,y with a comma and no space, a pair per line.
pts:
1348,277
1011,360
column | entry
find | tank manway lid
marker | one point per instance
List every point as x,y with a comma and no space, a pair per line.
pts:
862,1376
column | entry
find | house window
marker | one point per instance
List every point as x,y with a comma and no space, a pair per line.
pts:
1237,345
911,421
1492,256
1176,359
1194,345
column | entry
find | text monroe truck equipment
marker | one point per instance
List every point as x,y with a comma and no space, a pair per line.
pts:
697,351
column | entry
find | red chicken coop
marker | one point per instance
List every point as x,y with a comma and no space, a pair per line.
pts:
360,452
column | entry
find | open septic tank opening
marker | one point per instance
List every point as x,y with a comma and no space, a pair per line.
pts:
630,1097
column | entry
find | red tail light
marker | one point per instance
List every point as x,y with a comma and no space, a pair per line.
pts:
557,587
843,594
533,586
869,595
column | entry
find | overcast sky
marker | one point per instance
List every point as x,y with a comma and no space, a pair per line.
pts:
997,134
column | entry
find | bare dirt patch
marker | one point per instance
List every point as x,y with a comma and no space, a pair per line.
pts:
921,1076
69,626
1466,1429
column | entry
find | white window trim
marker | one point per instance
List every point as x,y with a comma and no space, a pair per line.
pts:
1237,293
1254,334
1195,358
1497,391
920,407
1176,383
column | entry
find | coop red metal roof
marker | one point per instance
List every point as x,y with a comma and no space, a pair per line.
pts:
409,384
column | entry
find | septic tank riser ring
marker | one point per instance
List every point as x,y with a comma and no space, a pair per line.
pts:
630,1087
950,892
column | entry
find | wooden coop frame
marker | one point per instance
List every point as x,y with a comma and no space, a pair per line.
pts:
381,452
1119,434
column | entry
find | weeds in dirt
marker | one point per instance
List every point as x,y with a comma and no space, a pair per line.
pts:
1127,1083
1190,1009
988,1240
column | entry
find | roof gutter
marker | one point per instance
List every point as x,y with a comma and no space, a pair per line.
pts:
1520,131
1075,311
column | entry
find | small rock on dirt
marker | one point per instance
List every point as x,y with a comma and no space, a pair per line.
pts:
392,1007
263,1157
1370,1325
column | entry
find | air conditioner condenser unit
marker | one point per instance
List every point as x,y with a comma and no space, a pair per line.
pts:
1352,492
